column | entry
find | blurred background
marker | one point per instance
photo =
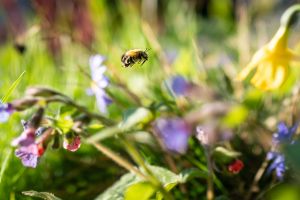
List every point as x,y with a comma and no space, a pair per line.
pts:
52,41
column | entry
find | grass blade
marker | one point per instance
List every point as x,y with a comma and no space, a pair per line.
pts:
5,163
12,88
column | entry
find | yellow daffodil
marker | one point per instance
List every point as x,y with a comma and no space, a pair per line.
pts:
272,60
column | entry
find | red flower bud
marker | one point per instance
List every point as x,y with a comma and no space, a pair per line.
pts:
236,166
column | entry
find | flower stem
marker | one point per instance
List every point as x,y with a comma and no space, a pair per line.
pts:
64,99
289,16
140,161
119,160
257,178
210,177
168,158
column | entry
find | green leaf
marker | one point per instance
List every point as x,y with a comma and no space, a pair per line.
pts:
104,134
224,156
64,123
12,88
168,187
167,178
253,99
140,191
235,116
42,195
66,110
116,191
189,174
283,191
164,175
94,128
132,118
136,117
4,164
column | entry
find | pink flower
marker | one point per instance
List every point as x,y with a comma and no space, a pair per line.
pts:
30,154
72,144
26,138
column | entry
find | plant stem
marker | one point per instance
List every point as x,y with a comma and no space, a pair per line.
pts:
288,16
119,83
119,160
168,159
64,99
257,178
210,177
140,161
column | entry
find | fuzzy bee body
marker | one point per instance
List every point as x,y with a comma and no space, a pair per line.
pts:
133,56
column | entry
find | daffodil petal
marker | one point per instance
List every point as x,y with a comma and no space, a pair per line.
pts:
246,71
279,76
263,77
293,55
257,58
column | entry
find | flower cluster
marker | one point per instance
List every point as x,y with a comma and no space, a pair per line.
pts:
283,136
29,149
99,82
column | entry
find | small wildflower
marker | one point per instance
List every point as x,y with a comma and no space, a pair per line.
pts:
283,136
202,136
5,111
284,133
30,148
277,164
180,85
26,138
210,133
100,82
174,133
72,144
236,166
30,154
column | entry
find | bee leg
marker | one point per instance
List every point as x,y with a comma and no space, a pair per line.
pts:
144,61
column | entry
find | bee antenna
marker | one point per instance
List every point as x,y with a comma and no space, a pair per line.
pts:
147,49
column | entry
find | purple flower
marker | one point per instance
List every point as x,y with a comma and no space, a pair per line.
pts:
100,82
284,133
179,85
29,150
26,138
174,133
5,111
277,164
72,144
283,136
29,154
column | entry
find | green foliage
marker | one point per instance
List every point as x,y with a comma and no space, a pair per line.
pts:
130,184
283,192
236,116
141,190
207,49
12,88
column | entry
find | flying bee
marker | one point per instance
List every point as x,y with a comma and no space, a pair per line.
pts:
129,58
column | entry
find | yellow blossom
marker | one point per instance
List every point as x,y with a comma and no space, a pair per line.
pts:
272,60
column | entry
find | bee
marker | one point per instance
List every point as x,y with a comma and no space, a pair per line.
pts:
129,58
